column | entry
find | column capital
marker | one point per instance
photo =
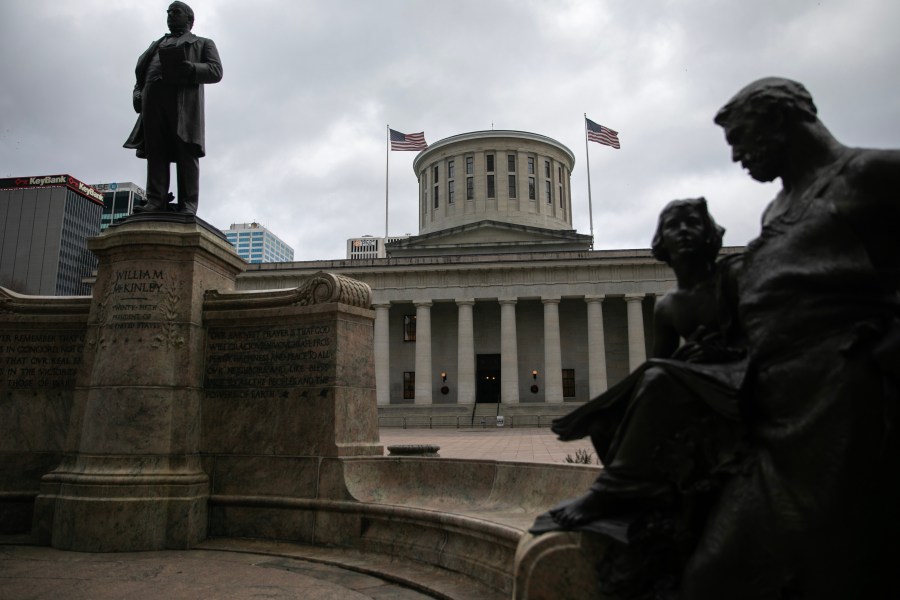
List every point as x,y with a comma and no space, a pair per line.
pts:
423,303
377,305
465,302
595,298
506,300
634,297
553,300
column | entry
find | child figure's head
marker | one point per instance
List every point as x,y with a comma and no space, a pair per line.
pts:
686,227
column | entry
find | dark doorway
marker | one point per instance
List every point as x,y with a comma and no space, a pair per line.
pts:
487,374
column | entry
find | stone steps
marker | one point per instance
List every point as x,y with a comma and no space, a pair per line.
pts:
465,416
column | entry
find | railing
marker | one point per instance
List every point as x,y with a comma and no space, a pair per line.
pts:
466,421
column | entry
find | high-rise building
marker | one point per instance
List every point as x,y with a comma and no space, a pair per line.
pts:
44,225
256,244
119,200
369,246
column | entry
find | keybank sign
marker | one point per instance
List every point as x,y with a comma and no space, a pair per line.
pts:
70,182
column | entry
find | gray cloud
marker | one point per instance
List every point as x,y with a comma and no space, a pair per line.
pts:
296,129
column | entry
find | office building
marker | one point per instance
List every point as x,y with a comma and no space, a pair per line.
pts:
369,246
45,222
119,200
256,244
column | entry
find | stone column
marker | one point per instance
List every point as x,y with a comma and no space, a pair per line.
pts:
423,352
597,382
509,352
382,353
637,348
553,391
465,354
132,478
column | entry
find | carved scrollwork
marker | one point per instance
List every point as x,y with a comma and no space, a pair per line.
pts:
14,303
319,288
328,287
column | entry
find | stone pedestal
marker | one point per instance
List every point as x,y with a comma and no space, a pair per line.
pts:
560,564
132,478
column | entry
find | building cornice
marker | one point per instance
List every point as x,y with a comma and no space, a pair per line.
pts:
490,134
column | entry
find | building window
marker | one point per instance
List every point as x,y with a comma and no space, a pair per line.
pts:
547,169
531,165
561,195
512,186
470,188
451,169
548,191
409,385
568,382
436,195
470,165
451,192
437,172
489,168
511,163
531,191
409,328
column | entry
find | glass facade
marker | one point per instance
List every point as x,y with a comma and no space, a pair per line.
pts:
119,200
256,244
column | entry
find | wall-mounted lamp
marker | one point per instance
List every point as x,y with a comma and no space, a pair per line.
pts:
444,376
444,389
534,387
534,374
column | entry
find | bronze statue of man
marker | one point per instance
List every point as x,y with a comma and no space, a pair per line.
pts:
168,97
815,514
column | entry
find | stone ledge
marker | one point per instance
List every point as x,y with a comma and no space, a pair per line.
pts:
465,516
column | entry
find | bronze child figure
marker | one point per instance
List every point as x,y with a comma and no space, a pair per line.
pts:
669,433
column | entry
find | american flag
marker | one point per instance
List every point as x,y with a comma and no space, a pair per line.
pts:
602,135
407,141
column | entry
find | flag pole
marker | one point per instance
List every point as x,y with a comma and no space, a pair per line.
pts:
588,155
387,155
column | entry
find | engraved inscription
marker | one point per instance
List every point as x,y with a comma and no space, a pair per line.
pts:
135,298
141,299
259,359
40,360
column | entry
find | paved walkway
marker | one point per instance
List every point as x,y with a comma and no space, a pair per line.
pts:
39,573
244,569
520,445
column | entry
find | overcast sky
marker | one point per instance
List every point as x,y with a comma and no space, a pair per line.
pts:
296,129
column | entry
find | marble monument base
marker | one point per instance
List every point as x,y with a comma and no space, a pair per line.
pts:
131,477
114,513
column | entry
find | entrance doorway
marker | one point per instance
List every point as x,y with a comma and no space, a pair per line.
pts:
487,375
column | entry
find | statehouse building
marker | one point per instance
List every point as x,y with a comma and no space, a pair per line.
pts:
498,298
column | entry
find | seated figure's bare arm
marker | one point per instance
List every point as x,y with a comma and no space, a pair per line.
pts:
665,337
